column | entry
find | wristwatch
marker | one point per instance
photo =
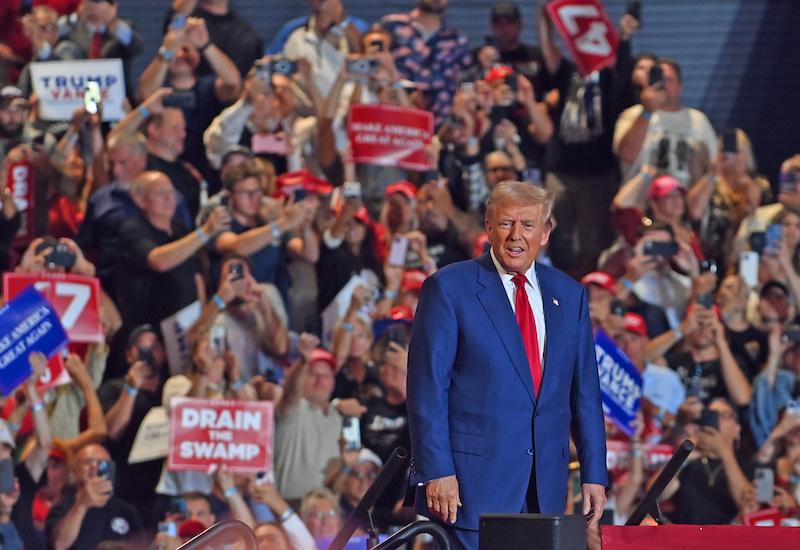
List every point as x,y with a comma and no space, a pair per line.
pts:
167,54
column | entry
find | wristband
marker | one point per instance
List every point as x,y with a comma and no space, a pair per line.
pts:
391,294
237,385
204,47
38,406
677,332
166,53
202,235
347,327
130,390
230,491
144,112
472,141
275,231
646,114
627,283
217,299
286,515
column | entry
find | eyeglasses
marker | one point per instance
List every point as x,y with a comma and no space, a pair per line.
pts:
361,476
49,27
329,514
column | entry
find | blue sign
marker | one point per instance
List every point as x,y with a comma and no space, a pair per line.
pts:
28,323
620,383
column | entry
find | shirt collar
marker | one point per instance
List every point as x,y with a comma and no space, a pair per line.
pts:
507,276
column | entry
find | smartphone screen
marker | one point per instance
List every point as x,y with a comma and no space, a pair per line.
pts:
91,97
6,475
270,144
398,251
351,433
765,485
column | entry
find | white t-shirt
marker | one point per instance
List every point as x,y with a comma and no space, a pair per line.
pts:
684,129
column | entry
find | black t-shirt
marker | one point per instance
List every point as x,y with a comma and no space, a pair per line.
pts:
384,426
445,247
750,348
116,520
144,295
701,378
181,178
528,61
135,483
347,387
22,513
232,34
704,497
337,265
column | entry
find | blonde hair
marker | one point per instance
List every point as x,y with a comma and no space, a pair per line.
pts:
520,193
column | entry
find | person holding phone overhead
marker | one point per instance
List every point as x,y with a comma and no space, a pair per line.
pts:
501,370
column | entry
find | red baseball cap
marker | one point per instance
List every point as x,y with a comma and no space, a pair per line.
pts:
362,215
190,528
601,279
405,187
412,280
324,356
663,185
635,323
290,182
498,73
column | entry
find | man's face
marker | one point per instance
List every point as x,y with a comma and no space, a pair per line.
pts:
319,382
641,72
47,23
633,345
127,163
322,518
359,480
672,86
703,335
91,11
12,119
432,6
506,32
517,234
730,291
246,197
499,168
672,205
199,510
186,60
85,466
159,200
172,132
790,230
149,341
393,377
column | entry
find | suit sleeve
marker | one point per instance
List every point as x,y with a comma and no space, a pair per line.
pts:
588,427
432,353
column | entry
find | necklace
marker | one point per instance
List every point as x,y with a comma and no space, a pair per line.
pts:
711,474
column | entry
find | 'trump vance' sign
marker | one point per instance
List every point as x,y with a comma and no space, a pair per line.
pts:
620,383
59,86
206,432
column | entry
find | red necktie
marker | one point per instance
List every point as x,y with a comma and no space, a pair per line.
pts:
96,51
527,325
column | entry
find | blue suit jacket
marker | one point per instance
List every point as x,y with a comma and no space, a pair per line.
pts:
471,406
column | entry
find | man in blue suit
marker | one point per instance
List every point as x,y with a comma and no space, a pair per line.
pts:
501,369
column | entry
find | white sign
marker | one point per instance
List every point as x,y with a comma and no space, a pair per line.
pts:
174,330
152,438
59,86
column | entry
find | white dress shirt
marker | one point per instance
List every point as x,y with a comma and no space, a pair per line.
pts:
534,298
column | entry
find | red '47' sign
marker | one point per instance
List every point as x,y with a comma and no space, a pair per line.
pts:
204,432
75,298
588,32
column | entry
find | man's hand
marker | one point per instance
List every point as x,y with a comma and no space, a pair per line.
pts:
594,502
306,344
628,25
95,493
78,371
137,374
350,407
197,32
218,221
443,498
155,101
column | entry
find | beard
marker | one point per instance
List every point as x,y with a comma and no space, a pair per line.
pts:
11,133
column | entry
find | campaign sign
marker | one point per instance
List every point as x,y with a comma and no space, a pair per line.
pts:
618,456
390,136
588,32
59,85
620,383
204,432
21,182
28,323
76,298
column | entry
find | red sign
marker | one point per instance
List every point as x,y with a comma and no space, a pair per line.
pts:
588,31
618,456
390,136
204,432
21,183
75,298
698,537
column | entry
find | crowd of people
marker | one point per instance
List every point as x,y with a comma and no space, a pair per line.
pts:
230,181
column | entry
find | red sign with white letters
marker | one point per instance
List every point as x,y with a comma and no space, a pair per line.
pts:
390,136
588,31
206,432
76,299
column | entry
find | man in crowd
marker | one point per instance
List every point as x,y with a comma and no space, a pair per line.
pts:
89,512
506,26
41,28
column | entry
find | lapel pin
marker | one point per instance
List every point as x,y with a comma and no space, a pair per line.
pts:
555,301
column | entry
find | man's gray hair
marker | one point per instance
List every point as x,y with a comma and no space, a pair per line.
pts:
520,193
133,142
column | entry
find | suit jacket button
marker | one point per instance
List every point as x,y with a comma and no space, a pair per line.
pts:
530,452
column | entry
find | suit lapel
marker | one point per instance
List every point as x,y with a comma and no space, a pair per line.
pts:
552,320
494,300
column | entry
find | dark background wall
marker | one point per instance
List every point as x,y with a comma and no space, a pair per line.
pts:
739,57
